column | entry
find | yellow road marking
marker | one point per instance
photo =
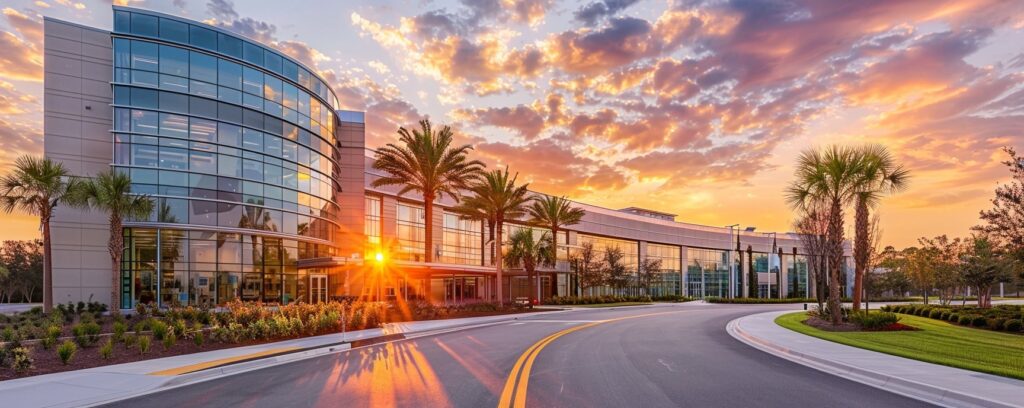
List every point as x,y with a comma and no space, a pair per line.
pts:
222,361
514,393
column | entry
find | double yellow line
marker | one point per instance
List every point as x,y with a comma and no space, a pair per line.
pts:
514,393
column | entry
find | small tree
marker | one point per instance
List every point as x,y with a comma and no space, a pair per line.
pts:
529,253
588,267
648,274
984,267
614,270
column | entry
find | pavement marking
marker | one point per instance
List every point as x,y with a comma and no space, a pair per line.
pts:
219,362
514,393
559,321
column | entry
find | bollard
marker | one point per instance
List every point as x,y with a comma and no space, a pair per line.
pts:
805,306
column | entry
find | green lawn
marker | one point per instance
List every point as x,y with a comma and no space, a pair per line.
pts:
596,305
936,342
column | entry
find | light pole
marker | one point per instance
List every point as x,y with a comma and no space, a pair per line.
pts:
770,256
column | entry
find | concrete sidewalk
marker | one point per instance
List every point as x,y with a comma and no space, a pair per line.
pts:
937,384
99,385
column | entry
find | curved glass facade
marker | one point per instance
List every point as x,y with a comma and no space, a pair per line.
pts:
237,145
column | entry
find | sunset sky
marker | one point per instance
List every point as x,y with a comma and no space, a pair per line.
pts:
698,108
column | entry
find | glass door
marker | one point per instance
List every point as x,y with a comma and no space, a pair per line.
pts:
317,288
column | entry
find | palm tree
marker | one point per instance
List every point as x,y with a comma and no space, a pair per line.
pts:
530,253
554,213
495,196
111,192
881,176
36,186
835,176
427,163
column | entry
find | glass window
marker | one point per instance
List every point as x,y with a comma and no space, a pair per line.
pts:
145,155
272,61
203,37
273,145
230,166
122,53
203,67
230,74
173,210
202,129
290,150
252,140
173,30
272,174
252,81
252,119
252,53
290,70
174,125
173,83
272,89
229,113
252,170
229,95
410,232
144,98
145,56
122,21
230,45
304,78
144,25
201,106
202,212
173,158
144,78
202,89
228,135
144,121
290,96
174,102
230,215
202,162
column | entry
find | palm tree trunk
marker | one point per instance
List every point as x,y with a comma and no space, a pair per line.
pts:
116,248
428,223
497,261
47,267
835,235
861,252
532,289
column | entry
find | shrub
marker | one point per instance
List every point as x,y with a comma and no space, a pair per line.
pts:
119,329
995,323
130,340
21,359
86,334
107,349
179,327
144,343
140,327
979,321
954,318
159,329
935,313
7,335
50,339
1012,325
874,321
944,315
169,341
197,338
965,320
66,351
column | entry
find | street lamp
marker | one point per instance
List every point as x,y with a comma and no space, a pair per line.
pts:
733,274
379,258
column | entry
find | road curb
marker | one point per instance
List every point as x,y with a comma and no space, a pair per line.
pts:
899,385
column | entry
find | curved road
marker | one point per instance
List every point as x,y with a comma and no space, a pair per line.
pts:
656,356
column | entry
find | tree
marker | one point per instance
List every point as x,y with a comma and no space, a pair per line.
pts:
5,283
554,213
495,196
111,192
614,270
880,176
426,162
812,227
1004,222
984,267
530,253
36,186
587,266
648,273
945,262
894,280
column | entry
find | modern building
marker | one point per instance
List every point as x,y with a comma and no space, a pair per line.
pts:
262,186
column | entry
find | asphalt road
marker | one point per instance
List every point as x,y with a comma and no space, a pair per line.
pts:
657,356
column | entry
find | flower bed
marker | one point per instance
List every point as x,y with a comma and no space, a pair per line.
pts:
1005,318
34,343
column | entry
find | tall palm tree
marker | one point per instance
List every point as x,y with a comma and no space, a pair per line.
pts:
111,192
834,175
554,213
881,176
495,196
425,162
530,253
36,186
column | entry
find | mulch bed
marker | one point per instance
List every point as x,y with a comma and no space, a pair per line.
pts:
47,361
827,325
